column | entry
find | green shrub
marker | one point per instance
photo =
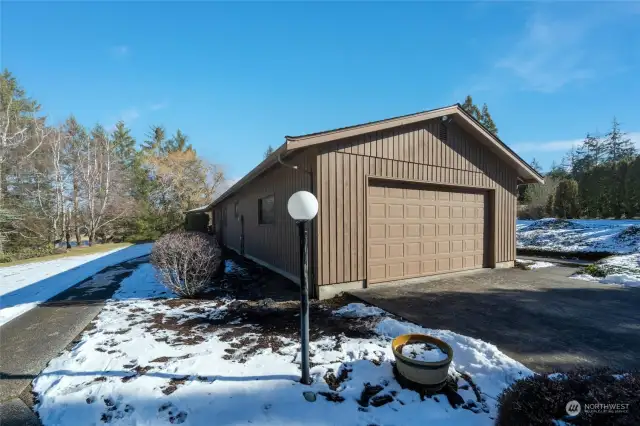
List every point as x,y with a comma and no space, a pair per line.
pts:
541,400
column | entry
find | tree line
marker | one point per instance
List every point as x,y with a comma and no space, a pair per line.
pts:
600,178
64,182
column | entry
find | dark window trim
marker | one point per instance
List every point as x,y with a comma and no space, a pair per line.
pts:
272,219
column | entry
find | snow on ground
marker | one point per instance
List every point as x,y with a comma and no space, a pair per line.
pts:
620,270
170,361
533,264
22,287
620,237
359,310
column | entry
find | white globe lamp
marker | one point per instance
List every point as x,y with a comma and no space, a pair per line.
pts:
302,206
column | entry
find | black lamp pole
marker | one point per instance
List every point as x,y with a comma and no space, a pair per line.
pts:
304,303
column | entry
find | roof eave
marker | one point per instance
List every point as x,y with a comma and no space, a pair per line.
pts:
272,159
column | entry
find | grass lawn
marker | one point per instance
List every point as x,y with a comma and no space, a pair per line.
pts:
75,251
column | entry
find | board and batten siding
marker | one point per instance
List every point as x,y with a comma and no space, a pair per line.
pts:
413,153
276,244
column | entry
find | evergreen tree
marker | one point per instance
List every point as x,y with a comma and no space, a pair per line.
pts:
481,115
487,121
632,185
124,145
618,146
566,199
536,165
471,108
156,140
268,152
558,171
548,207
179,143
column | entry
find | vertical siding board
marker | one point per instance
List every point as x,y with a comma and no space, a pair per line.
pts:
326,243
318,221
361,219
332,217
346,216
354,217
339,200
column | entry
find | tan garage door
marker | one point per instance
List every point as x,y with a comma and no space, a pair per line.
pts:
424,230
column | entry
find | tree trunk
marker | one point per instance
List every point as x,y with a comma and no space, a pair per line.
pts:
92,237
75,209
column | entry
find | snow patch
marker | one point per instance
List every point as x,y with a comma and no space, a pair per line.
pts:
124,372
618,270
23,287
359,310
565,235
425,352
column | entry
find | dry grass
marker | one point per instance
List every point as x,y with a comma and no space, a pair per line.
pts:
75,251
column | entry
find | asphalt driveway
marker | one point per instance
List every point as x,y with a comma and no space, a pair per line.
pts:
542,318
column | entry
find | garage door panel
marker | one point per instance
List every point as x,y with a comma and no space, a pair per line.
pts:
377,210
395,270
377,230
412,230
428,267
412,211
377,251
428,230
415,231
412,249
395,251
428,212
395,230
395,211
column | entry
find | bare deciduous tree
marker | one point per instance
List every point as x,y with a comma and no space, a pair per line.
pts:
99,175
186,262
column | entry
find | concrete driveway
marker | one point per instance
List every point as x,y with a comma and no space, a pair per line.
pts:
542,318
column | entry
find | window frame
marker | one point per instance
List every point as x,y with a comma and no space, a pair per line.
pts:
236,209
272,217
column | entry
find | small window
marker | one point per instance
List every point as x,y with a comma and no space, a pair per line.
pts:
236,210
266,213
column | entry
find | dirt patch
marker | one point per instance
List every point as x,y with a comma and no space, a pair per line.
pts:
252,326
334,381
164,359
173,384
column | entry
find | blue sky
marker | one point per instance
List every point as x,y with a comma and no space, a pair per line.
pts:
237,77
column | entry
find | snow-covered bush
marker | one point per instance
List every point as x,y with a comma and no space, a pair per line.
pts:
186,262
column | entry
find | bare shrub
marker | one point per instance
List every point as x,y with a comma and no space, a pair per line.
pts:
186,262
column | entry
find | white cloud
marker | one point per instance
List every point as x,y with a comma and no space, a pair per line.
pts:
120,50
130,115
550,54
159,105
562,145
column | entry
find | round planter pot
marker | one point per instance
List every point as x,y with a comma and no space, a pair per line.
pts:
431,375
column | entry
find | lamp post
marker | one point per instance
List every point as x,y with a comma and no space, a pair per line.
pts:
303,207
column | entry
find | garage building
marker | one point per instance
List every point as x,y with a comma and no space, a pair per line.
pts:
402,198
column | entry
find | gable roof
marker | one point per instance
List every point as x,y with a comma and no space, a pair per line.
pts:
526,173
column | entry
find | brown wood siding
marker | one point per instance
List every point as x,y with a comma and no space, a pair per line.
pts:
414,153
277,243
